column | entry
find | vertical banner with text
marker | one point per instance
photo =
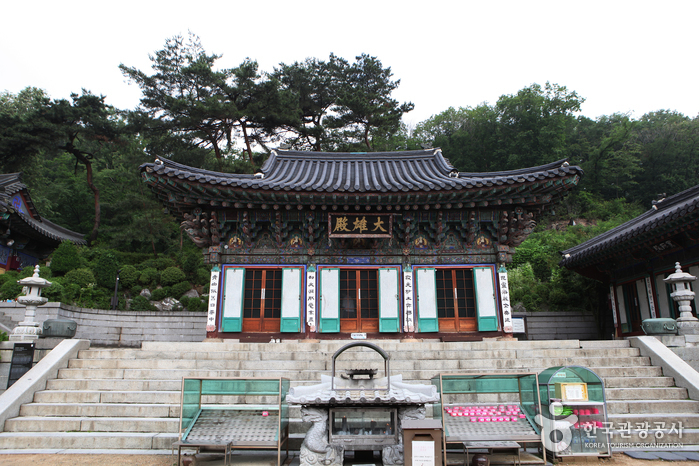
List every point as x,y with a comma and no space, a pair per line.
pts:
409,324
651,301
311,305
611,296
213,300
505,299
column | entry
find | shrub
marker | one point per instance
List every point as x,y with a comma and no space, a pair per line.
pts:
10,290
193,304
191,262
12,275
53,293
65,258
149,277
106,270
71,292
171,275
81,277
160,263
94,297
129,277
141,304
178,289
160,294
558,297
203,276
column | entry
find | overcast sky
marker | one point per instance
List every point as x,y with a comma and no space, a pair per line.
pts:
621,56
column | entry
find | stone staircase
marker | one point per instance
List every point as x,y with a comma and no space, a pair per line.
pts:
129,398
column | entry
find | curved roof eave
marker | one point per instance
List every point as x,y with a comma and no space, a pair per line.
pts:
361,172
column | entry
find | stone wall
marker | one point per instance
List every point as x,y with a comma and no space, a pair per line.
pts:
129,329
560,326
119,328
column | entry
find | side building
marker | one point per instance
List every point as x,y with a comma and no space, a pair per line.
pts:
363,245
25,237
633,259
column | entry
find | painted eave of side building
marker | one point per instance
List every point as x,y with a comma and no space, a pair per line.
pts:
665,217
30,223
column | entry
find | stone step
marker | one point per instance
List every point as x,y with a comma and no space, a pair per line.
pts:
605,344
637,371
172,379
90,424
665,393
95,396
128,397
638,382
652,406
86,440
114,384
655,421
109,368
330,346
411,355
101,410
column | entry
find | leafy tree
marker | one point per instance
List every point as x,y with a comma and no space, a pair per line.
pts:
467,136
530,128
84,128
668,152
364,104
22,134
204,107
535,123
183,98
314,84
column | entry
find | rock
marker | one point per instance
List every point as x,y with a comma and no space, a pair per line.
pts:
168,304
146,293
191,294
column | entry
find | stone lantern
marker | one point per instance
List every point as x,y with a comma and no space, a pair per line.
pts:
29,329
683,296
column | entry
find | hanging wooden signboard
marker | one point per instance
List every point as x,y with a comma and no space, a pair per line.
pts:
360,225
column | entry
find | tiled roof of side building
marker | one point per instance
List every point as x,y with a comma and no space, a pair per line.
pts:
674,208
11,184
423,170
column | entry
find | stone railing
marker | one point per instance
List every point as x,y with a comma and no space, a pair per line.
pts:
119,328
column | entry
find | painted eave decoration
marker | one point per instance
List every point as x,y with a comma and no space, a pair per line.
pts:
18,210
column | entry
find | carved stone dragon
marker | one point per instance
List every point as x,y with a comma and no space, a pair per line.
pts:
315,449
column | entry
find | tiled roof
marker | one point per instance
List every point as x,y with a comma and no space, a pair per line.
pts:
375,172
30,223
670,212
